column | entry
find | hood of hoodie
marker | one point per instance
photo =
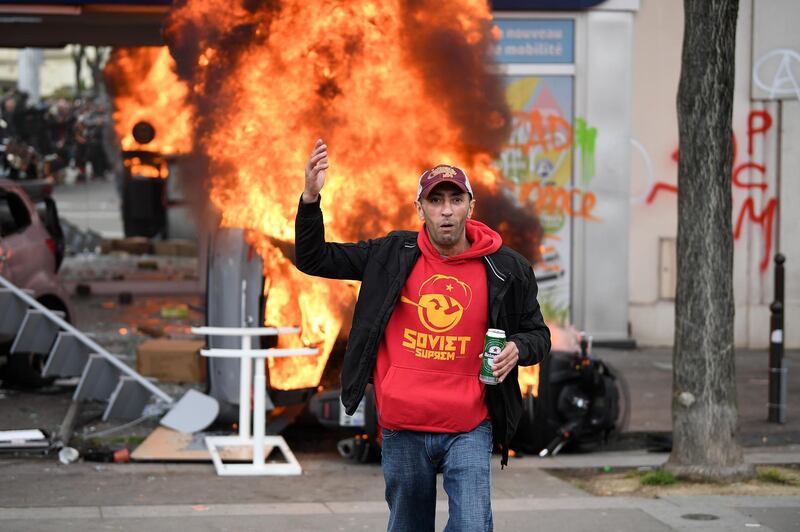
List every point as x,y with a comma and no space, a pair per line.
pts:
483,241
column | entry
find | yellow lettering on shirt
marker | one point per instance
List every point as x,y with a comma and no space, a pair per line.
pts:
435,341
409,339
435,346
463,340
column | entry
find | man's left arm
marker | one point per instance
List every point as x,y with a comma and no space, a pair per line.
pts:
530,344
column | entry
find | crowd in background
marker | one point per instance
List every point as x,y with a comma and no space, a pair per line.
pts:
58,137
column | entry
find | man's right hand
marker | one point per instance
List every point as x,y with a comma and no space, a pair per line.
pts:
315,172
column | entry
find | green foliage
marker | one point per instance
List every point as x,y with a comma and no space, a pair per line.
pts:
658,477
774,475
552,313
65,91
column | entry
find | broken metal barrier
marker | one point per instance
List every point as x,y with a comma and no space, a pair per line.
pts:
103,377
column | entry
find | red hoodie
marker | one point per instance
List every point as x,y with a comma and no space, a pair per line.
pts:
426,375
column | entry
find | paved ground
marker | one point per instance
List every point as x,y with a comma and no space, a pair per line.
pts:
336,495
333,494
94,205
648,373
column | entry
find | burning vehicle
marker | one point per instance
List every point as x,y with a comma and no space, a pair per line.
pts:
242,90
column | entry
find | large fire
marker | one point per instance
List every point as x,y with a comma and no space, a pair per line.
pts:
146,89
392,87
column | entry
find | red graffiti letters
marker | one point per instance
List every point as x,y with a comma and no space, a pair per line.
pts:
758,123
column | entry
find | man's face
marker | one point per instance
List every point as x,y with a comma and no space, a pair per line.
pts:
445,212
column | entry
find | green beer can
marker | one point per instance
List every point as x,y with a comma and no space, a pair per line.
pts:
493,343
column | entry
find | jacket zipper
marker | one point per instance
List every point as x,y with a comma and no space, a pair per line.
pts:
495,278
394,293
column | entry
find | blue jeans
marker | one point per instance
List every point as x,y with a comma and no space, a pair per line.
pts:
411,461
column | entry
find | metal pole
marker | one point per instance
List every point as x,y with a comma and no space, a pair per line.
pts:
259,414
245,380
777,372
245,374
68,424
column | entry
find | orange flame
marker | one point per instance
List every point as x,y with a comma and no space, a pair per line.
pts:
146,89
281,74
263,83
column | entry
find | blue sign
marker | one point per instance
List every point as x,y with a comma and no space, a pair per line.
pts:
534,41
556,5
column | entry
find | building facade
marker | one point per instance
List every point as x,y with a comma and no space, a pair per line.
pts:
593,149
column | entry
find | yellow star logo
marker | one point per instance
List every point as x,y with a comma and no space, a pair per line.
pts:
449,288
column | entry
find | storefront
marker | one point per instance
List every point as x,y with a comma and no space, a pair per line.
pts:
568,84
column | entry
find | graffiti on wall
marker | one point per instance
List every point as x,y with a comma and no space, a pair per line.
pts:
759,122
548,163
784,65
537,160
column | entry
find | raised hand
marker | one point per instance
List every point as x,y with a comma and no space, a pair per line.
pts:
315,172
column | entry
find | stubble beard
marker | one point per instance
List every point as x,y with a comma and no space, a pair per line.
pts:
446,242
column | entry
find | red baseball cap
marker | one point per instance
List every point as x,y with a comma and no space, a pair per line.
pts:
440,174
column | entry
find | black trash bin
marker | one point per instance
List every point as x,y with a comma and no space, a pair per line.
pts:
144,205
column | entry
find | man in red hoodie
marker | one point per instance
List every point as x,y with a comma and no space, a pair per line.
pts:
425,304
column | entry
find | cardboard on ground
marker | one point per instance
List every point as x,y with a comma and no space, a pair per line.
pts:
174,446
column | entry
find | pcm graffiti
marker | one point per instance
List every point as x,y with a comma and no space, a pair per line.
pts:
758,124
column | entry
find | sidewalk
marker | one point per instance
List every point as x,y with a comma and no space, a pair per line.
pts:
648,374
94,205
336,495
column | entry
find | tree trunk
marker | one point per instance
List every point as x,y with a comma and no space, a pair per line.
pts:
704,412
78,53
96,63
111,142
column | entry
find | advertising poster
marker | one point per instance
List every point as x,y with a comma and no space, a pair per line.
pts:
536,164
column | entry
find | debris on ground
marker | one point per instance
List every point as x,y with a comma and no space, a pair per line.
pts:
90,257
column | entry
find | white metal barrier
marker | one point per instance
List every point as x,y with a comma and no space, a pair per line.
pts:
256,439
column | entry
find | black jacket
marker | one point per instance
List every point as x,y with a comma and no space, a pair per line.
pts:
383,265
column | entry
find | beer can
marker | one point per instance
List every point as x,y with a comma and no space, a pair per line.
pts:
493,343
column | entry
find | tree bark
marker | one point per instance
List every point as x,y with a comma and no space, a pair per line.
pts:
704,411
96,64
78,53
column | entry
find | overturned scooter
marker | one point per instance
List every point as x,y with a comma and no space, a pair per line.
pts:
582,401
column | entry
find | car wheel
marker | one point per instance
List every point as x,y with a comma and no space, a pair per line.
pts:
25,370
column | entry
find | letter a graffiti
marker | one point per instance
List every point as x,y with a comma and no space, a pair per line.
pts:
785,80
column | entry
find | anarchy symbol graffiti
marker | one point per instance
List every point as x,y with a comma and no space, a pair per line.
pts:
786,80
